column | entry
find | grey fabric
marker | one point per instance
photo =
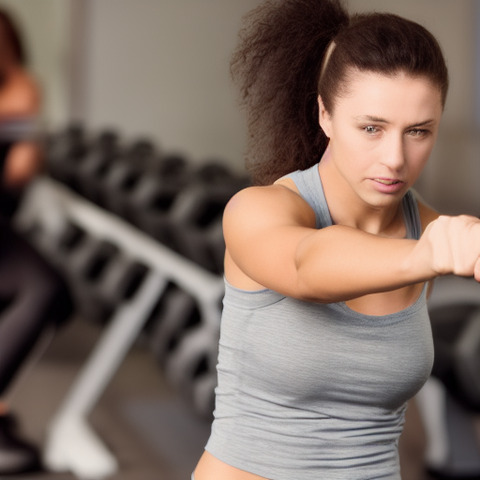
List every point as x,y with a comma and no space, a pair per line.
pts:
311,391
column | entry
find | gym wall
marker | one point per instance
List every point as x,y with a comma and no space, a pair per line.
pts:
46,29
160,69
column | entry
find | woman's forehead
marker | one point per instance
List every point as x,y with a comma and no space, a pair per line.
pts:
376,94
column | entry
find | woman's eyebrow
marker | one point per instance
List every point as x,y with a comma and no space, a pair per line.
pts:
424,123
373,118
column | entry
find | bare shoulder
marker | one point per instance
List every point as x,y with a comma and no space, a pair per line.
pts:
262,228
267,205
21,96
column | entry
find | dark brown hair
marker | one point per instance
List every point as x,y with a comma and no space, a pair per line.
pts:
277,67
10,34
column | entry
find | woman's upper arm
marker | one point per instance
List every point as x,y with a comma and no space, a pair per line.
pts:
263,227
272,242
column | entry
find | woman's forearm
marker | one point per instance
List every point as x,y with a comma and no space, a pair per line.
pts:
340,263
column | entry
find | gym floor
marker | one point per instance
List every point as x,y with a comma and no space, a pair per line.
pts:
152,433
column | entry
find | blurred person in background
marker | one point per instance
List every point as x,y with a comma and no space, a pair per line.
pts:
19,112
32,294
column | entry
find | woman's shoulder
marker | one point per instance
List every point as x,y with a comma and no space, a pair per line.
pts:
276,202
20,96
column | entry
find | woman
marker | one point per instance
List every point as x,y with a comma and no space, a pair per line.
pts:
32,294
325,333
20,153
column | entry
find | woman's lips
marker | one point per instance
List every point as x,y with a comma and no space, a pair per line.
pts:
388,185
386,181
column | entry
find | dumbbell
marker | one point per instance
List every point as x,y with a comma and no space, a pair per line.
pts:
194,354
119,183
214,172
65,150
70,236
142,151
124,173
456,334
120,281
217,172
467,359
176,312
216,246
196,210
197,214
148,207
84,265
55,244
148,204
153,201
174,167
203,394
191,363
90,173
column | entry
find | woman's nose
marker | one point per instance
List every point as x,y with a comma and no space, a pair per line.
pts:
394,155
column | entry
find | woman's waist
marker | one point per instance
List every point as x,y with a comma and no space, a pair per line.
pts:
283,455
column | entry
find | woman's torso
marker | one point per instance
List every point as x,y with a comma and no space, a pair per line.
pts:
351,394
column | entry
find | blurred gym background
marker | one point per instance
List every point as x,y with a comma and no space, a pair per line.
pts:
145,145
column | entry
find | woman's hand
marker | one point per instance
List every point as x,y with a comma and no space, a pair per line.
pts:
452,245
24,161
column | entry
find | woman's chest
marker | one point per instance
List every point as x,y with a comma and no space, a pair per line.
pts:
386,303
318,354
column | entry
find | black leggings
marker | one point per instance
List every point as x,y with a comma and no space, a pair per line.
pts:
32,297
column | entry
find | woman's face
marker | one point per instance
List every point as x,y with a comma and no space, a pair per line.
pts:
382,130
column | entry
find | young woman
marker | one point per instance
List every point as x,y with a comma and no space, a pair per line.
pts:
325,333
20,104
32,294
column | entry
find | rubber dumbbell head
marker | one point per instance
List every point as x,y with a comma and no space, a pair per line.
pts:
467,360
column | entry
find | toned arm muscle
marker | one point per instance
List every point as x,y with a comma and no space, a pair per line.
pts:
340,263
271,237
271,240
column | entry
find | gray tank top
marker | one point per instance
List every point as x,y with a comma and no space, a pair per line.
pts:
312,391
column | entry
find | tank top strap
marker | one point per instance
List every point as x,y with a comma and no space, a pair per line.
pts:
411,215
310,187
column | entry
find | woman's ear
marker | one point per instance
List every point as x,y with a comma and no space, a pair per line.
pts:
324,118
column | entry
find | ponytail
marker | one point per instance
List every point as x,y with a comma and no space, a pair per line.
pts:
291,51
277,67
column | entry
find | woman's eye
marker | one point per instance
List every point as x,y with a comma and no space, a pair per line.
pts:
419,132
370,129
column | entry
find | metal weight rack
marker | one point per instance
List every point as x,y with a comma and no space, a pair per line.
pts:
72,444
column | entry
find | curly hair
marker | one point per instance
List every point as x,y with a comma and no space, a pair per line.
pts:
280,67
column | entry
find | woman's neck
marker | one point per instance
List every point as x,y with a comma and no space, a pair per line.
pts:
348,208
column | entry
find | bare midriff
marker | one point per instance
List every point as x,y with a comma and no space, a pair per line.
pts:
210,468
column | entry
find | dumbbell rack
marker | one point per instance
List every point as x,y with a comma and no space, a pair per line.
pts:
452,444
72,445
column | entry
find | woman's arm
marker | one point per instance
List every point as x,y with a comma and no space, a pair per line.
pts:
270,238
20,99
24,161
